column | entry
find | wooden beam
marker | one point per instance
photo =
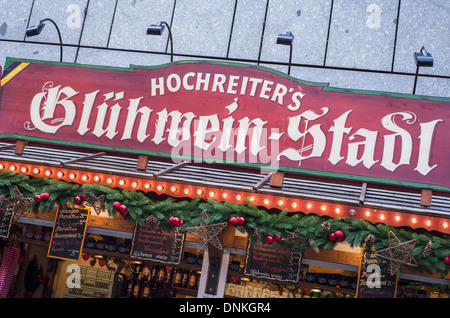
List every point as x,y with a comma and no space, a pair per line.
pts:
425,199
362,196
171,168
142,162
276,179
20,147
95,155
7,147
262,181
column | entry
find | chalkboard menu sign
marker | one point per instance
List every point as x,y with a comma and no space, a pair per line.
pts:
159,245
68,233
375,279
6,216
274,261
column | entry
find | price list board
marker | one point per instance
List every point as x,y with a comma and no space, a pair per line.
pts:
275,261
68,233
158,245
6,216
375,279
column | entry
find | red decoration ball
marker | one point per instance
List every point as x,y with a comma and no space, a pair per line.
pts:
332,237
171,220
175,220
180,223
45,196
277,238
269,239
233,221
83,196
339,236
78,199
241,220
122,208
116,205
447,260
38,198
124,214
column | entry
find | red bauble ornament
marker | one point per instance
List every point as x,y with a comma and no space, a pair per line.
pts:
277,238
447,260
124,214
38,198
233,221
339,235
269,239
332,237
175,220
45,196
123,208
180,223
77,199
241,220
116,205
83,196
171,220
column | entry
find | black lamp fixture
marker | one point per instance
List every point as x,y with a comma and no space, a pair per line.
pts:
37,28
287,39
422,58
158,29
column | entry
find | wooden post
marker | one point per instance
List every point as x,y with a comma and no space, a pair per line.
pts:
142,162
277,179
20,147
425,200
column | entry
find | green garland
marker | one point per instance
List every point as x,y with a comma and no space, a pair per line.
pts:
309,226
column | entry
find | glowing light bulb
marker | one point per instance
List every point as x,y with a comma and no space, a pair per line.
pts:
13,168
48,173
36,171
294,205
444,224
160,187
72,176
398,218
97,178
309,205
134,184
266,201
60,174
382,216
238,197
323,207
147,185
122,182
199,191
24,169
212,194
337,210
186,191
85,177
413,220
367,213
225,195
280,202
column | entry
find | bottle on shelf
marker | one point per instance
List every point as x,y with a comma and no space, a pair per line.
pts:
169,275
178,278
147,288
138,285
193,280
131,284
161,274
185,279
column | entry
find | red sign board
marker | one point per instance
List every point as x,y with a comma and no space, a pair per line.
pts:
231,113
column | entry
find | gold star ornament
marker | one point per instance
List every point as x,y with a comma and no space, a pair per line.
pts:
19,205
398,253
207,233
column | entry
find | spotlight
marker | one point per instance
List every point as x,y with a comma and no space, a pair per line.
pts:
158,29
422,58
37,28
287,39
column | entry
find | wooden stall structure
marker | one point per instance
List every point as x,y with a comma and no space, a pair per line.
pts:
207,179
